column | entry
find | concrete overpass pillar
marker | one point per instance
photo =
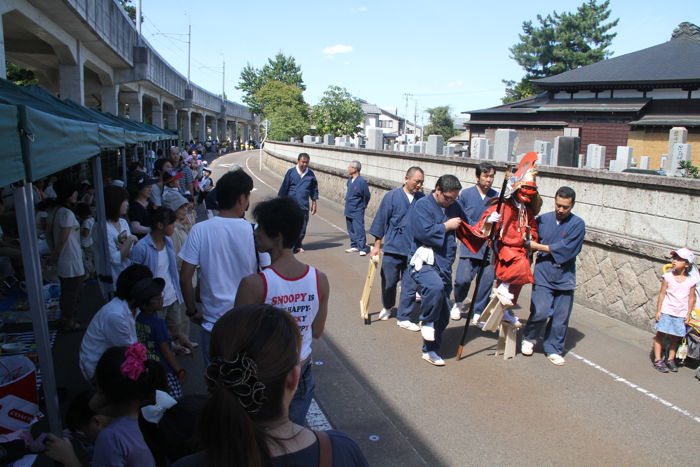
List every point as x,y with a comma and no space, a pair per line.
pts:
172,120
186,125
214,129
110,99
157,114
245,136
202,128
3,68
136,111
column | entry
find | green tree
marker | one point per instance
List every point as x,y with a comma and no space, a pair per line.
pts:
20,76
283,105
129,8
337,113
440,122
281,68
561,42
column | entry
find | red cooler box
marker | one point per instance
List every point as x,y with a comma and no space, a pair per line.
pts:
18,394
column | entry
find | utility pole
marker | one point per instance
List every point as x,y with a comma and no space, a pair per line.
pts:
138,17
189,48
405,123
415,118
223,81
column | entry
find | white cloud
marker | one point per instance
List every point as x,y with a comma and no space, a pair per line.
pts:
362,9
454,84
337,49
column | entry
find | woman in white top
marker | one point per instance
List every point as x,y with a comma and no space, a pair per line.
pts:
119,237
67,254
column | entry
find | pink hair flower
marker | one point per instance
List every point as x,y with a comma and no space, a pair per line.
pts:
133,364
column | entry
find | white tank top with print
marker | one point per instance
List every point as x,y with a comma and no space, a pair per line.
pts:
296,295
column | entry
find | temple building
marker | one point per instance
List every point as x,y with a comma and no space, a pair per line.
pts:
631,100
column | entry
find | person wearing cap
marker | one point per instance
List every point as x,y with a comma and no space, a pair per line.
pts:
139,187
152,332
171,185
160,167
179,165
114,324
561,235
206,184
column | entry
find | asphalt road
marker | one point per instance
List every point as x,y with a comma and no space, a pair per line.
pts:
605,406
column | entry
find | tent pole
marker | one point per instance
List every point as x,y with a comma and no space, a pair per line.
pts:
124,165
24,208
101,225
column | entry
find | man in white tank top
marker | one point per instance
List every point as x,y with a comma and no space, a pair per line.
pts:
289,284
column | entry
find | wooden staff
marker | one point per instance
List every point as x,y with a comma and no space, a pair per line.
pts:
367,290
484,262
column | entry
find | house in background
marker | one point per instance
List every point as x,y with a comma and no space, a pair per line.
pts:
391,124
631,100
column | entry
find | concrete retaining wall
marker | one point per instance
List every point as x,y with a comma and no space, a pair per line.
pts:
633,220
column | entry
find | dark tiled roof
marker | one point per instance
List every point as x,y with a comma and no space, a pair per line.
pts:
674,62
594,105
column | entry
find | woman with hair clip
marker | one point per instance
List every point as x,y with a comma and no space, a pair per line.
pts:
252,377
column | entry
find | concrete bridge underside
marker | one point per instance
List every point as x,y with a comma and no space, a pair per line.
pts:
91,53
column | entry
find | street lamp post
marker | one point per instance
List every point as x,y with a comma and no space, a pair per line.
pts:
266,125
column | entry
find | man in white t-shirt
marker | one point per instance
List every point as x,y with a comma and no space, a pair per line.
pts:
224,249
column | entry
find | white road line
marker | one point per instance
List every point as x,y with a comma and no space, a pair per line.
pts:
275,190
316,419
632,385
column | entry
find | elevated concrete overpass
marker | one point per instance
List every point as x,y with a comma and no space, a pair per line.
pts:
90,52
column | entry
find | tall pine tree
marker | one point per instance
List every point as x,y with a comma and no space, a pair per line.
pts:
561,42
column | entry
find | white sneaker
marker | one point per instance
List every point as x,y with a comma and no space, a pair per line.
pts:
456,312
428,332
432,357
527,348
509,317
418,297
475,318
406,324
556,359
352,250
384,314
363,253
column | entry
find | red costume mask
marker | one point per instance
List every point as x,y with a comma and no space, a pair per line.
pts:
526,193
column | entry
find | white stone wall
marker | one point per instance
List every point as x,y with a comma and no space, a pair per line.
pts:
633,220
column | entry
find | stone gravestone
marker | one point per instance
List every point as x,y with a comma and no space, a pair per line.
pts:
595,156
581,159
308,139
677,135
449,150
423,145
623,158
566,150
435,144
375,138
479,148
386,147
644,162
318,140
663,164
329,140
681,152
544,152
503,144
414,148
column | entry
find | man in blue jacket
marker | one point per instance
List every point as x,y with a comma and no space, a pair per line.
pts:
561,237
474,202
300,183
356,199
390,225
434,222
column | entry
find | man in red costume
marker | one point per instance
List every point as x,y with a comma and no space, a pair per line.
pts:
516,227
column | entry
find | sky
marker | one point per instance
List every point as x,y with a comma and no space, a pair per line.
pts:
438,52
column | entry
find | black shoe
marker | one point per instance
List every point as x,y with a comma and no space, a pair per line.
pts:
660,366
671,365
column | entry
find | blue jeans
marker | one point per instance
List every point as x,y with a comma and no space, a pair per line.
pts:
435,307
467,270
551,308
392,268
301,401
356,231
